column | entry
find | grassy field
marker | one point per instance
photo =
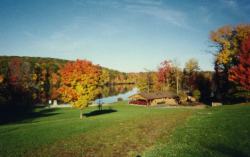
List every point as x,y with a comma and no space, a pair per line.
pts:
124,130
220,131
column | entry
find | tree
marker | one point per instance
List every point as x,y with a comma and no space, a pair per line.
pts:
227,41
196,94
79,83
14,72
240,73
164,73
192,65
177,74
169,75
19,83
190,74
105,77
54,85
1,79
142,82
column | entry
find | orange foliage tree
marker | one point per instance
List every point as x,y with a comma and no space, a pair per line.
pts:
79,83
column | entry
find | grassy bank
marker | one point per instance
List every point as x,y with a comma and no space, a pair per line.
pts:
124,130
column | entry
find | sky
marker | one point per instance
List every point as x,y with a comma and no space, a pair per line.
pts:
126,35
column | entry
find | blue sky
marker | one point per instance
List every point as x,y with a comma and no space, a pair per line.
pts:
127,35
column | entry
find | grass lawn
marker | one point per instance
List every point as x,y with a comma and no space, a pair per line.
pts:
221,131
125,130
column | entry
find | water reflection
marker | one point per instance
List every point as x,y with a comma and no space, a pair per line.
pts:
110,94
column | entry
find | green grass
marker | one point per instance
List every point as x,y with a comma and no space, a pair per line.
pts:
130,131
220,131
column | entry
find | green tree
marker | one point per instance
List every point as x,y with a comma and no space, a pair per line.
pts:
196,94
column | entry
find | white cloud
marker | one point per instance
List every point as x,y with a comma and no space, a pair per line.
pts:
145,2
230,4
153,8
206,15
171,16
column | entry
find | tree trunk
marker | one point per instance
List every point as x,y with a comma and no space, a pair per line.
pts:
177,84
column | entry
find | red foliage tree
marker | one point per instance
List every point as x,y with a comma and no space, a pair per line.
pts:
164,72
240,73
54,85
15,72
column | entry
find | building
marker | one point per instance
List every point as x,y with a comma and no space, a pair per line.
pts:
154,98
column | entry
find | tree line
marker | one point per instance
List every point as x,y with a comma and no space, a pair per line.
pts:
189,81
25,81
228,83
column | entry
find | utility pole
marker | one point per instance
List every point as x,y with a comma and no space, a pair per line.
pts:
176,66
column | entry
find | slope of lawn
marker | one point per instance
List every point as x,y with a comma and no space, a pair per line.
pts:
124,130
221,131
119,130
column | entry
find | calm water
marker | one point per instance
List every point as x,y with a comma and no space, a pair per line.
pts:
111,94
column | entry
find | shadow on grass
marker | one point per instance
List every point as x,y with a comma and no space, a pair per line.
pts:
233,152
8,116
99,112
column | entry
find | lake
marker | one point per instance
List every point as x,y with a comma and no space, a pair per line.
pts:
110,94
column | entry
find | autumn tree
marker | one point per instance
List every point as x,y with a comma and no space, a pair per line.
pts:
240,73
104,77
54,85
79,83
164,73
192,65
53,78
190,74
177,75
14,72
142,82
169,75
227,41
19,82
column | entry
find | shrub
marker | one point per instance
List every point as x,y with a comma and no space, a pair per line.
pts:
183,96
196,94
119,99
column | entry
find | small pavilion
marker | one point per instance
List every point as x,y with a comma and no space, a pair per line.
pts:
154,98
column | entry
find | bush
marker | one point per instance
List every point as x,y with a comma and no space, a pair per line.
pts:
119,99
183,96
196,94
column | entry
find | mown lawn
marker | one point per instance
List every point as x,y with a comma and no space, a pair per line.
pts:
124,130
220,131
